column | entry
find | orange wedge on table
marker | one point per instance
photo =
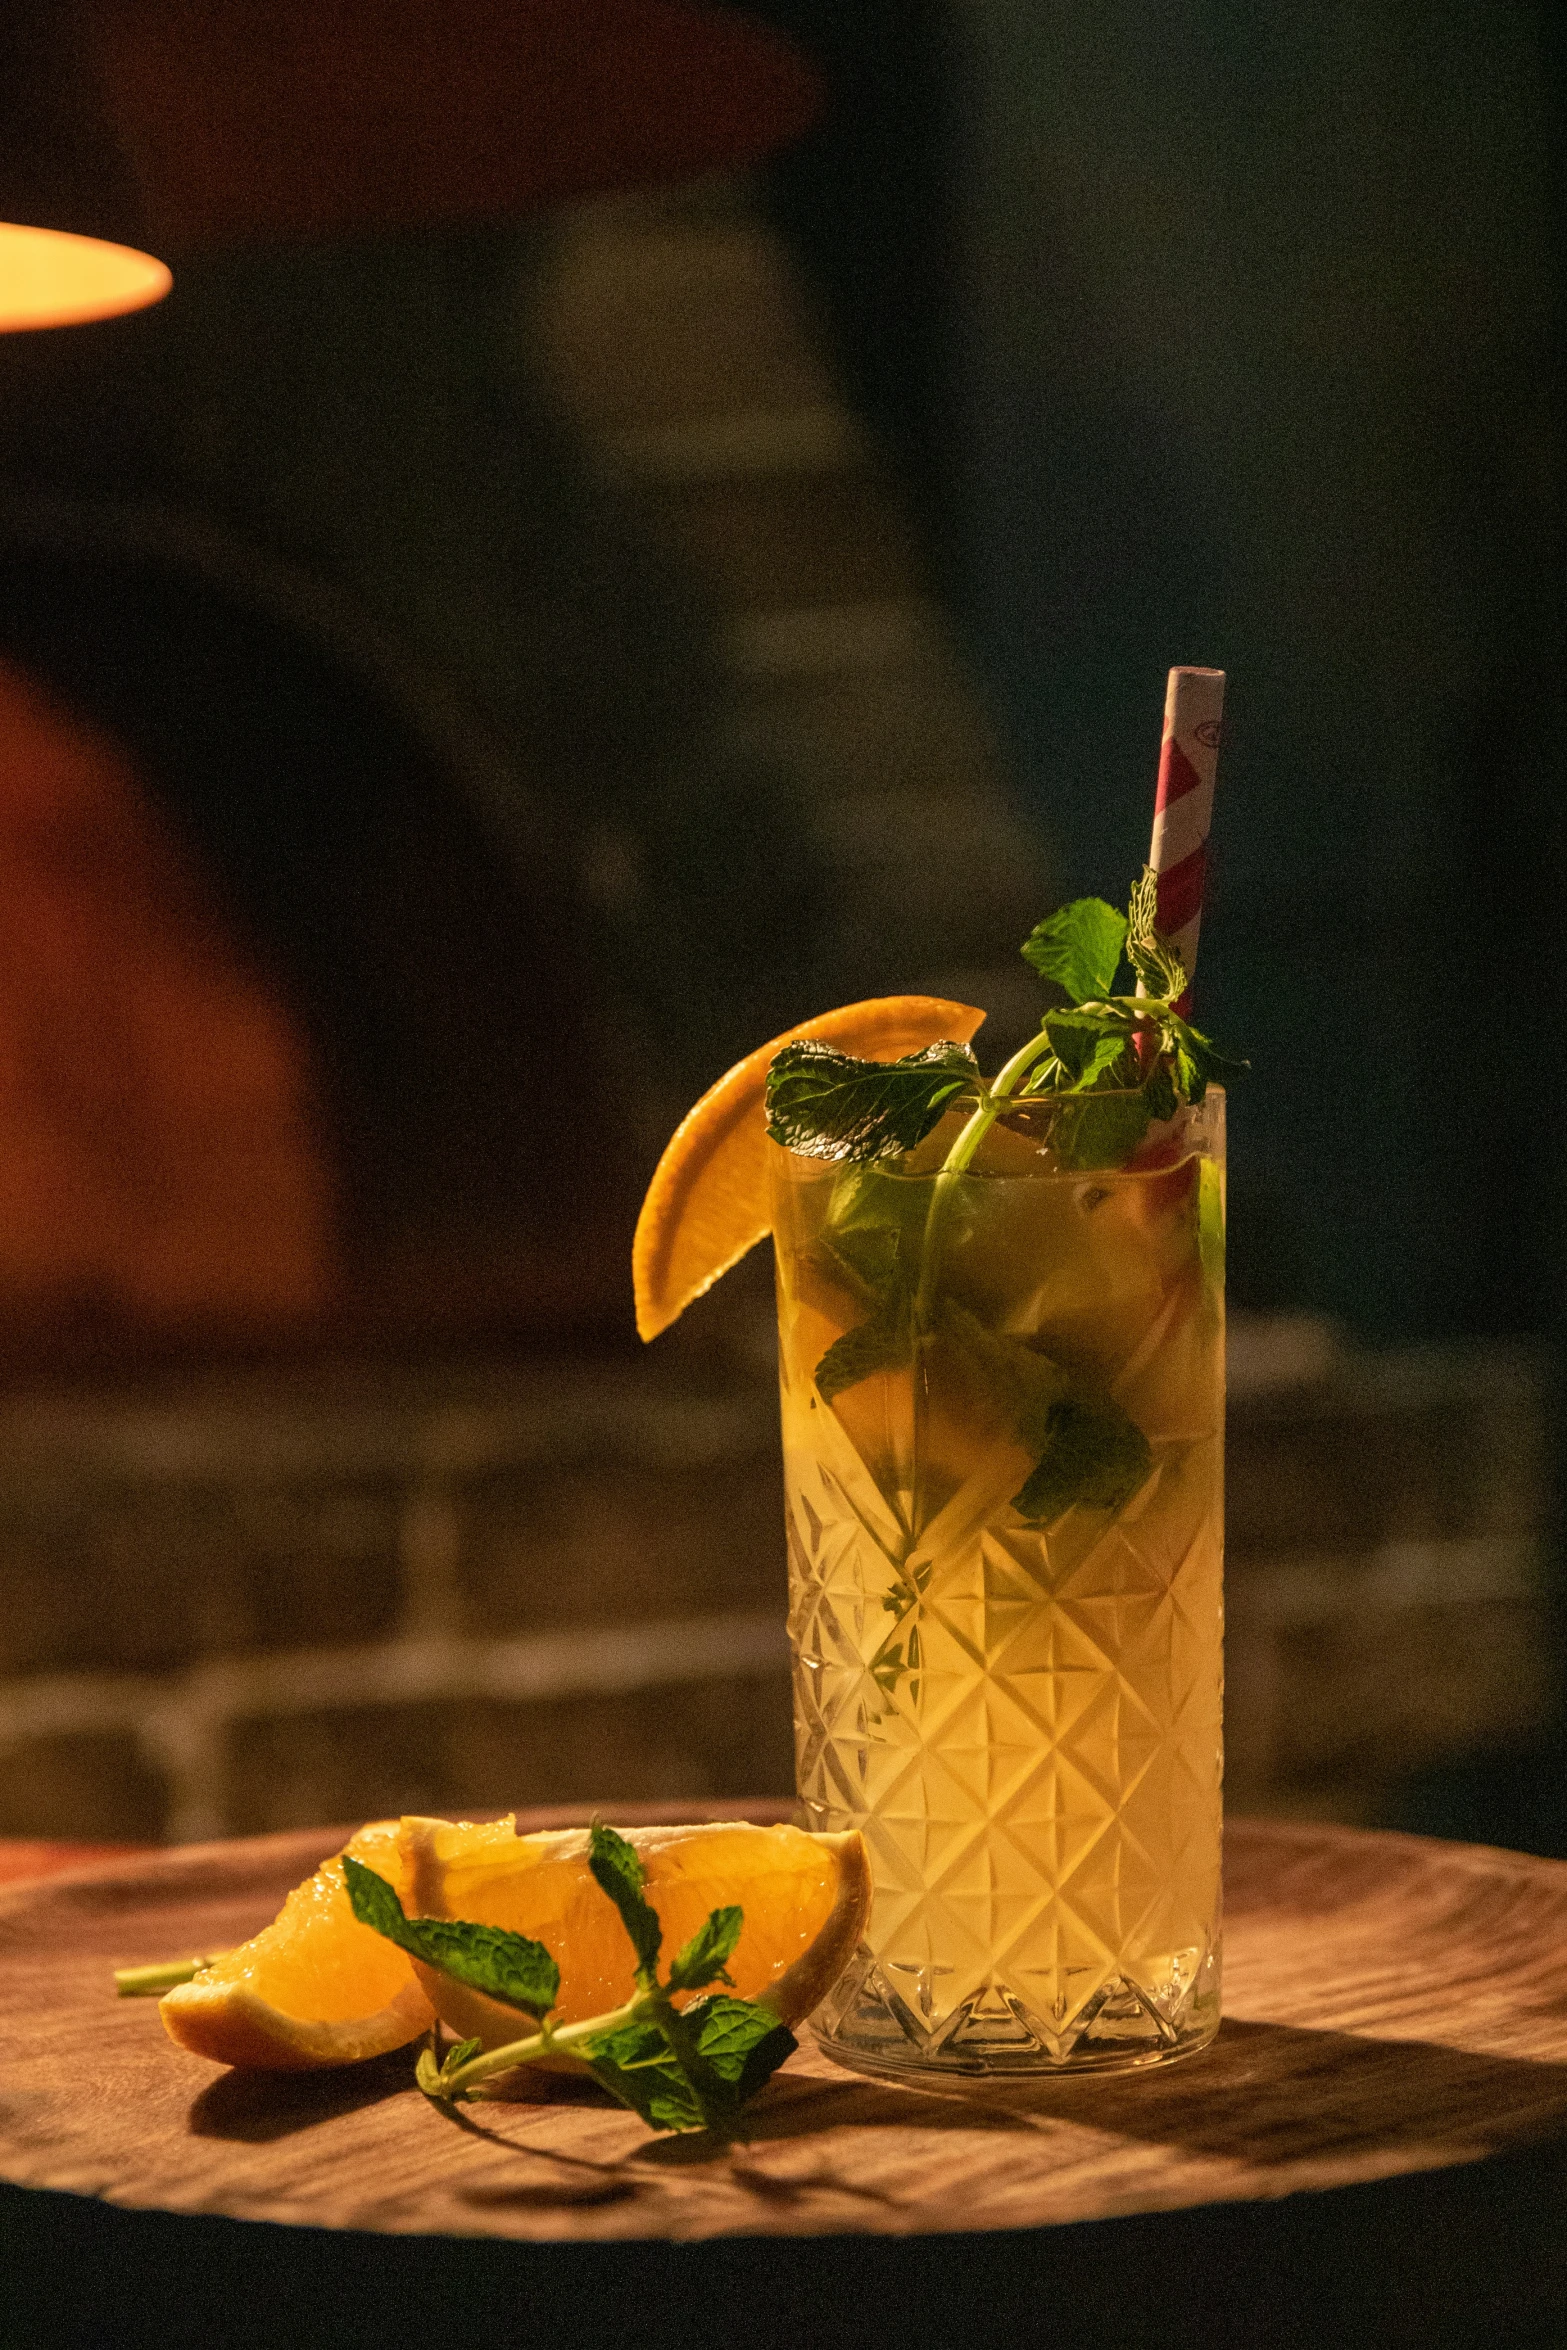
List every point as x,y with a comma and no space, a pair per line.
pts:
313,1988
805,1899
317,1988
707,1202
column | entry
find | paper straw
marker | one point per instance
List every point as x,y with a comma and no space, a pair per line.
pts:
1183,808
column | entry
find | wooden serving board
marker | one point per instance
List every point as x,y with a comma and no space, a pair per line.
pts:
1392,2005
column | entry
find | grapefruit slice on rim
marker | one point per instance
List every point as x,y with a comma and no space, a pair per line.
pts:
707,1203
805,1898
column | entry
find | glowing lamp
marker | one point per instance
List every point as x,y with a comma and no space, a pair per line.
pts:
49,277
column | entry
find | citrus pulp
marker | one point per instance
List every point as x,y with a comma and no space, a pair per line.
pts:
805,1899
313,1988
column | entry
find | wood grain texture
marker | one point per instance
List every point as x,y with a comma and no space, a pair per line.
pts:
1392,2005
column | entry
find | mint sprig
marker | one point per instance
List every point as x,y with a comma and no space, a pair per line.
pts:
1108,1064
1104,1066
1137,1046
738,2043
680,2068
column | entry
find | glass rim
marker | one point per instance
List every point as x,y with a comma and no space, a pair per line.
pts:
1209,1146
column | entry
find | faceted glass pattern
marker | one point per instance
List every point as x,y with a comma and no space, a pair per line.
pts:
1024,1720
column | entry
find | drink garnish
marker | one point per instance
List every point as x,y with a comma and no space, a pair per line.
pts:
707,1202
680,2068
1106,1066
826,1104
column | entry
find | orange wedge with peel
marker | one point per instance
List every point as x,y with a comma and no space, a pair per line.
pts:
707,1203
314,1988
805,1898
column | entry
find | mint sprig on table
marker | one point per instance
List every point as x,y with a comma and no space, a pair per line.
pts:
1107,1065
680,2068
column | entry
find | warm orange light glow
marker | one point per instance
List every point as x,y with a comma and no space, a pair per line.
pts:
50,279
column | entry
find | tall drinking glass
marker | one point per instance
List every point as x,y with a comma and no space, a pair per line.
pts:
1003,1427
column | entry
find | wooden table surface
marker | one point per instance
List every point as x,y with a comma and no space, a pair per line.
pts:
1392,2005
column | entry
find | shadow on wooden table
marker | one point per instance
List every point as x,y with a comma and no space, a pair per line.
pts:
1279,2093
1263,2094
257,2108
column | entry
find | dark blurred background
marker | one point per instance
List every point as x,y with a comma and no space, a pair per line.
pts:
472,664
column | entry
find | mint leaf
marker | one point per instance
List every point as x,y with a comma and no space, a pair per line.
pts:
487,1958
741,2045
1089,1044
1160,1089
1199,1063
1106,1059
742,2041
1158,967
1019,1385
1079,947
1086,1449
825,1104
875,1229
637,2065
619,1873
1100,1129
704,1958
863,1259
873,1245
877,1219
373,1900
884,1343
1093,1455
1191,1078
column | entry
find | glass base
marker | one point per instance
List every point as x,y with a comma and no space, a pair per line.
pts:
868,2027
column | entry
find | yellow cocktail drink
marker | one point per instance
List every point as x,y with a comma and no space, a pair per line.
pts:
1003,1422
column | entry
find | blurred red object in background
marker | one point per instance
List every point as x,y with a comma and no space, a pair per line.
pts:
157,1152
265,118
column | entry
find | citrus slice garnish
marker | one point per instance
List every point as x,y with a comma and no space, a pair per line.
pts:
313,1988
805,1899
707,1203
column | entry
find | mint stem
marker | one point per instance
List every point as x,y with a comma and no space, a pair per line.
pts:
1142,1011
150,1982
960,1156
683,2043
546,2043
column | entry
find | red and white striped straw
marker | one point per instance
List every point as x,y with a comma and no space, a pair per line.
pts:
1183,808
